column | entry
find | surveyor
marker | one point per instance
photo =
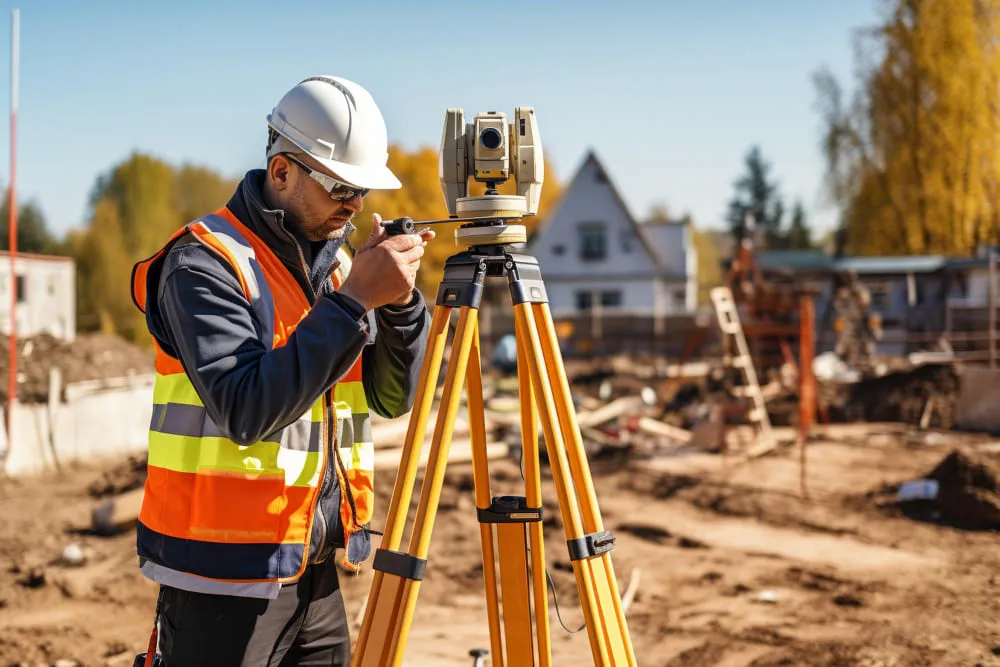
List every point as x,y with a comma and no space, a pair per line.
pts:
272,348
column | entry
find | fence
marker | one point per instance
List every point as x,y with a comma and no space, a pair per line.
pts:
97,419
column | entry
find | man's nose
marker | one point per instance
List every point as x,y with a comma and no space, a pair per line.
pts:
354,204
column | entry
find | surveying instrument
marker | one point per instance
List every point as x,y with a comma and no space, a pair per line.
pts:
491,152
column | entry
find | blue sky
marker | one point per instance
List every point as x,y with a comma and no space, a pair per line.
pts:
670,94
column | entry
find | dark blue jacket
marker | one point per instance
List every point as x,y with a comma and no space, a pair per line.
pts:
197,312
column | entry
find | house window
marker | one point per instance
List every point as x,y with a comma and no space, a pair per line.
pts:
22,289
611,299
558,249
680,297
880,293
593,241
583,300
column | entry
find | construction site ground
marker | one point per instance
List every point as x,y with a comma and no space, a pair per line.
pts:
735,567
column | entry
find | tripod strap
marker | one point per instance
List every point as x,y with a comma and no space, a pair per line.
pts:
400,564
590,545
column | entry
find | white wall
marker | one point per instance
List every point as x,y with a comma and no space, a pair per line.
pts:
50,296
590,198
99,419
639,295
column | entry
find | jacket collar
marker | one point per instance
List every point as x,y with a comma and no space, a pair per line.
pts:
311,262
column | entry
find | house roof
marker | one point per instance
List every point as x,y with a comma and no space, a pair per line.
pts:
36,256
904,264
817,260
802,260
647,244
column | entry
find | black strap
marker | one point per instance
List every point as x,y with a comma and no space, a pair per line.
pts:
592,544
400,564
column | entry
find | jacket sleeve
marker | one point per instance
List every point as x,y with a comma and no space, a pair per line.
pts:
391,363
203,319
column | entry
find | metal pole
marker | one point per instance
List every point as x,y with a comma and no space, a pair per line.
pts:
12,381
807,381
991,291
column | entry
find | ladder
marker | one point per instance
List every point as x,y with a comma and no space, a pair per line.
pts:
729,324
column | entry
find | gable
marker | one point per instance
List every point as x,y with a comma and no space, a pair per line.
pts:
592,233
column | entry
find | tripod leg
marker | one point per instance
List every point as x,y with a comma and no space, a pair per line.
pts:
560,475
400,502
533,496
391,624
480,472
600,568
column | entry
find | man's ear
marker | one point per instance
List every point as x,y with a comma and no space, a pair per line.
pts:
278,172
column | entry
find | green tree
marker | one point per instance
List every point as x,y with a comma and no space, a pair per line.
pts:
913,158
33,233
798,236
757,194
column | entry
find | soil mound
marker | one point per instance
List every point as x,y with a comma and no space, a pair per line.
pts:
968,490
88,357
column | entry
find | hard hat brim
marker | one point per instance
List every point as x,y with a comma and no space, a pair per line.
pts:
368,177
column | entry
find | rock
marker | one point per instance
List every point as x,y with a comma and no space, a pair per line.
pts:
73,555
767,597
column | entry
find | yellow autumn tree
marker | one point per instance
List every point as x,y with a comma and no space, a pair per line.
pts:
135,207
912,159
421,198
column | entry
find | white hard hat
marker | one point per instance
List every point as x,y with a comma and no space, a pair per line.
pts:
337,122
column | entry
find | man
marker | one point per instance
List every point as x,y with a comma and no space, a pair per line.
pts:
272,346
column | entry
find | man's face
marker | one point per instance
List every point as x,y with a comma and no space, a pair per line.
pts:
317,215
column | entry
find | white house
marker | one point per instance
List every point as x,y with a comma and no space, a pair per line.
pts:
46,295
593,251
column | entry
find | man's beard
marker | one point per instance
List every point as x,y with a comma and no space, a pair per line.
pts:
342,233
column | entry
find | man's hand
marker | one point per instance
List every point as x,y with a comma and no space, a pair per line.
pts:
385,267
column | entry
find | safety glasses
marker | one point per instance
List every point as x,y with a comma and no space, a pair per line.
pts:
337,190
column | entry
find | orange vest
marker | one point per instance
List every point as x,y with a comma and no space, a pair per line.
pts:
220,517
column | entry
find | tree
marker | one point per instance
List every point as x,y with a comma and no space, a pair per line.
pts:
421,198
758,195
135,207
913,160
33,233
707,248
798,237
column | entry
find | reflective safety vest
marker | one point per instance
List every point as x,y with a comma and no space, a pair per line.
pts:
220,517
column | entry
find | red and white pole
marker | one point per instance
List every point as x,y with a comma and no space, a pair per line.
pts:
12,387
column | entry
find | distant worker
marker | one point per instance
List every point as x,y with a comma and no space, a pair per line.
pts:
272,346
857,327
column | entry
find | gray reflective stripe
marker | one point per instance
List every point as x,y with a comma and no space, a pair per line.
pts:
356,429
260,293
362,427
166,576
302,434
181,419
193,421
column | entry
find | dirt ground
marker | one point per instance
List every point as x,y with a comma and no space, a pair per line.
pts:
91,356
735,566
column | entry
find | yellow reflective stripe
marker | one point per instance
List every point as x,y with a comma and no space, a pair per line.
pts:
175,388
352,393
182,453
316,413
359,457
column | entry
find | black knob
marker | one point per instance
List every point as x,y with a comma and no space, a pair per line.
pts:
399,226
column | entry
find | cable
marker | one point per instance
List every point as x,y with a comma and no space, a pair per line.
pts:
555,599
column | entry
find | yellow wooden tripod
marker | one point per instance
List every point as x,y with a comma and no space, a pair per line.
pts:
544,391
